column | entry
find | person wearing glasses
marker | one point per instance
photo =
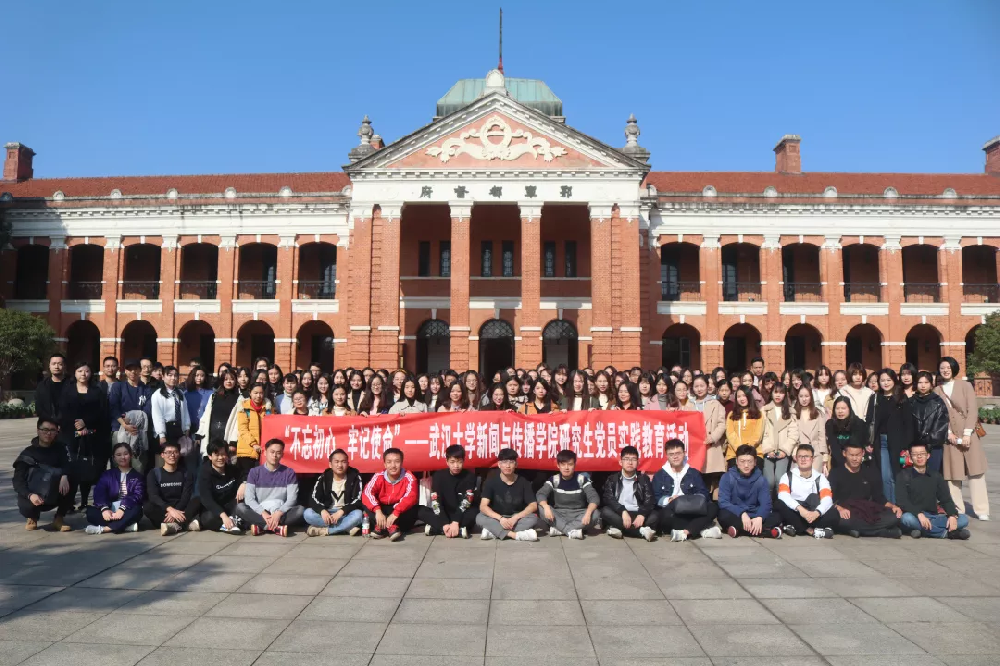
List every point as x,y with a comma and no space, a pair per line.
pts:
628,504
919,492
507,508
41,478
168,489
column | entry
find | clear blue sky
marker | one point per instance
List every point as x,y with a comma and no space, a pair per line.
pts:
128,88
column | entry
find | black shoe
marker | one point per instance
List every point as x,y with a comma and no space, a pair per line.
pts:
916,534
856,534
960,535
789,531
891,533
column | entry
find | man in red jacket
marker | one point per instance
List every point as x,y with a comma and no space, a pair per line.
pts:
390,498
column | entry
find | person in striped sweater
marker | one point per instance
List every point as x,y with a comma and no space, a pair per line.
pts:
270,498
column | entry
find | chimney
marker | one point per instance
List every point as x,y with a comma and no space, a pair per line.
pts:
17,164
787,158
992,149
377,142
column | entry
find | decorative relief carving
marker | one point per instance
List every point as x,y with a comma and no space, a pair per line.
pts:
488,149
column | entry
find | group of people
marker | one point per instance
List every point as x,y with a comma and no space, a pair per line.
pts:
800,453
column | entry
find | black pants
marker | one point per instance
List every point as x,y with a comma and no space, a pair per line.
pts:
886,520
611,518
437,521
693,524
212,521
101,458
792,517
291,517
157,514
29,510
243,467
728,519
405,521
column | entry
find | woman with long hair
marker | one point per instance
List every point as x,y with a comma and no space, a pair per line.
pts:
767,383
410,401
822,386
171,418
576,397
781,435
376,399
424,382
682,396
249,424
338,404
396,391
561,377
497,399
118,496
715,432
891,421
473,388
663,397
724,394
322,396
218,421
605,390
811,422
645,385
627,397
244,379
964,457
931,420
355,390
843,428
274,381
856,391
512,385
744,425
456,401
872,382
261,363
197,393
839,382
541,399
908,378
307,383
84,427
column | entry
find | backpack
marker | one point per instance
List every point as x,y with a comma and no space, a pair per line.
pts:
43,480
812,501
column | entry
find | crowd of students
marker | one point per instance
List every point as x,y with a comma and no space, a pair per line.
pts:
801,453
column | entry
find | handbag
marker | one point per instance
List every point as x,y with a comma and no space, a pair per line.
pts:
43,481
980,430
690,505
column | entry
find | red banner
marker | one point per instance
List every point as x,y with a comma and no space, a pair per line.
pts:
596,437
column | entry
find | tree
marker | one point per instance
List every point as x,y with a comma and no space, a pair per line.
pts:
25,343
986,357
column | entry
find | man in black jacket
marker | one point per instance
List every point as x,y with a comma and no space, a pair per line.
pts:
859,499
48,393
920,491
169,494
453,506
334,506
45,450
628,504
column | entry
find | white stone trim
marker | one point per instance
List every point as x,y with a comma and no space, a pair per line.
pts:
712,343
803,308
772,344
110,339
326,306
690,308
359,329
584,338
168,340
425,302
256,306
630,329
28,305
286,341
602,329
495,303
82,306
567,303
198,306
388,328
743,308
833,344
226,341
137,306
924,309
864,309
979,309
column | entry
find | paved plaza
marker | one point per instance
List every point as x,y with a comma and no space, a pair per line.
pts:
211,598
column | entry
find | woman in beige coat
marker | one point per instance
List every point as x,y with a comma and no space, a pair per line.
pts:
963,452
715,433
811,421
781,435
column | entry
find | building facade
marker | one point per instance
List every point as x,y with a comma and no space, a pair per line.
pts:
496,235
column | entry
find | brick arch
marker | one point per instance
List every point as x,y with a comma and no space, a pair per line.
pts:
680,345
864,346
923,347
83,343
196,339
254,339
315,343
138,340
803,347
740,344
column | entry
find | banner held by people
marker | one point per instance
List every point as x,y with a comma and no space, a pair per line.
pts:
596,437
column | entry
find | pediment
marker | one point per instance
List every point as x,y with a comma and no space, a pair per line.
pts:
497,134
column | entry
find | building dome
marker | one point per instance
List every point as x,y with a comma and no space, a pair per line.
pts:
529,92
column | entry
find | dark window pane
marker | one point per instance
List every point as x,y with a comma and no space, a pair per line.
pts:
424,259
487,254
549,264
445,259
508,258
570,258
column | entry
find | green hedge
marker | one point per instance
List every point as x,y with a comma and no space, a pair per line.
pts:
16,411
989,414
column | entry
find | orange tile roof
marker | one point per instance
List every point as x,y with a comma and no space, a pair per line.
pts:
245,183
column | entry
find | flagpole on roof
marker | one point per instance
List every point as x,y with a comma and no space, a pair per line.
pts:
500,66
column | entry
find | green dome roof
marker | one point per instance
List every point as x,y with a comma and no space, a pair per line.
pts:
530,92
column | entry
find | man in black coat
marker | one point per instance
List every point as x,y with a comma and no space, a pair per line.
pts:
48,393
628,504
45,451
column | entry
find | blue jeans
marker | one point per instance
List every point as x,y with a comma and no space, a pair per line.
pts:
888,471
939,524
936,459
350,520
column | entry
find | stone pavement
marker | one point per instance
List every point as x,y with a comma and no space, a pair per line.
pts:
224,600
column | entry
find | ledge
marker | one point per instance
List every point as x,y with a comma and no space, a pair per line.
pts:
979,309
28,305
865,309
682,307
743,307
327,305
198,305
82,306
924,309
256,306
803,308
140,306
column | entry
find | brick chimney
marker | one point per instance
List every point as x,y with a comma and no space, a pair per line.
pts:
17,164
787,158
992,149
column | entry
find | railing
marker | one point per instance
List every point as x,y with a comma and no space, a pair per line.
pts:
981,293
86,290
741,291
680,291
191,289
317,289
803,292
149,289
919,292
33,290
863,292
257,289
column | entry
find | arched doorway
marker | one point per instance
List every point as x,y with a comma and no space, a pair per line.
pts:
740,344
970,342
923,347
196,339
803,348
138,341
681,346
254,339
864,346
496,347
315,344
433,346
83,344
559,344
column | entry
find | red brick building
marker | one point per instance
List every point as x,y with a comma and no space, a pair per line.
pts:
498,234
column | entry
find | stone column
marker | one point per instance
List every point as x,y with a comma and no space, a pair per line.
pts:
225,337
110,274
894,339
709,267
166,341
284,342
360,283
458,318
58,275
528,350
831,267
385,287
627,336
950,274
600,285
772,339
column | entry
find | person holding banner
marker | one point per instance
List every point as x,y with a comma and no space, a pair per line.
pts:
375,400
629,506
576,397
339,407
457,401
390,498
497,400
335,503
453,508
507,508
541,399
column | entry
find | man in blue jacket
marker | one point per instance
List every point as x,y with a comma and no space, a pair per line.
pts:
745,499
677,479
129,395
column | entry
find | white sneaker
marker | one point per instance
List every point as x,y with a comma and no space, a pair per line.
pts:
194,526
712,532
464,532
526,535
427,530
486,535
985,517
93,529
575,534
554,532
167,529
819,533
678,535
134,527
616,533
648,534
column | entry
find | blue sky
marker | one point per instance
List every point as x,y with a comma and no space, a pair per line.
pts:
129,88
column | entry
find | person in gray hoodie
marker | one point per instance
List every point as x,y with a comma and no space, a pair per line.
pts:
567,501
270,495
